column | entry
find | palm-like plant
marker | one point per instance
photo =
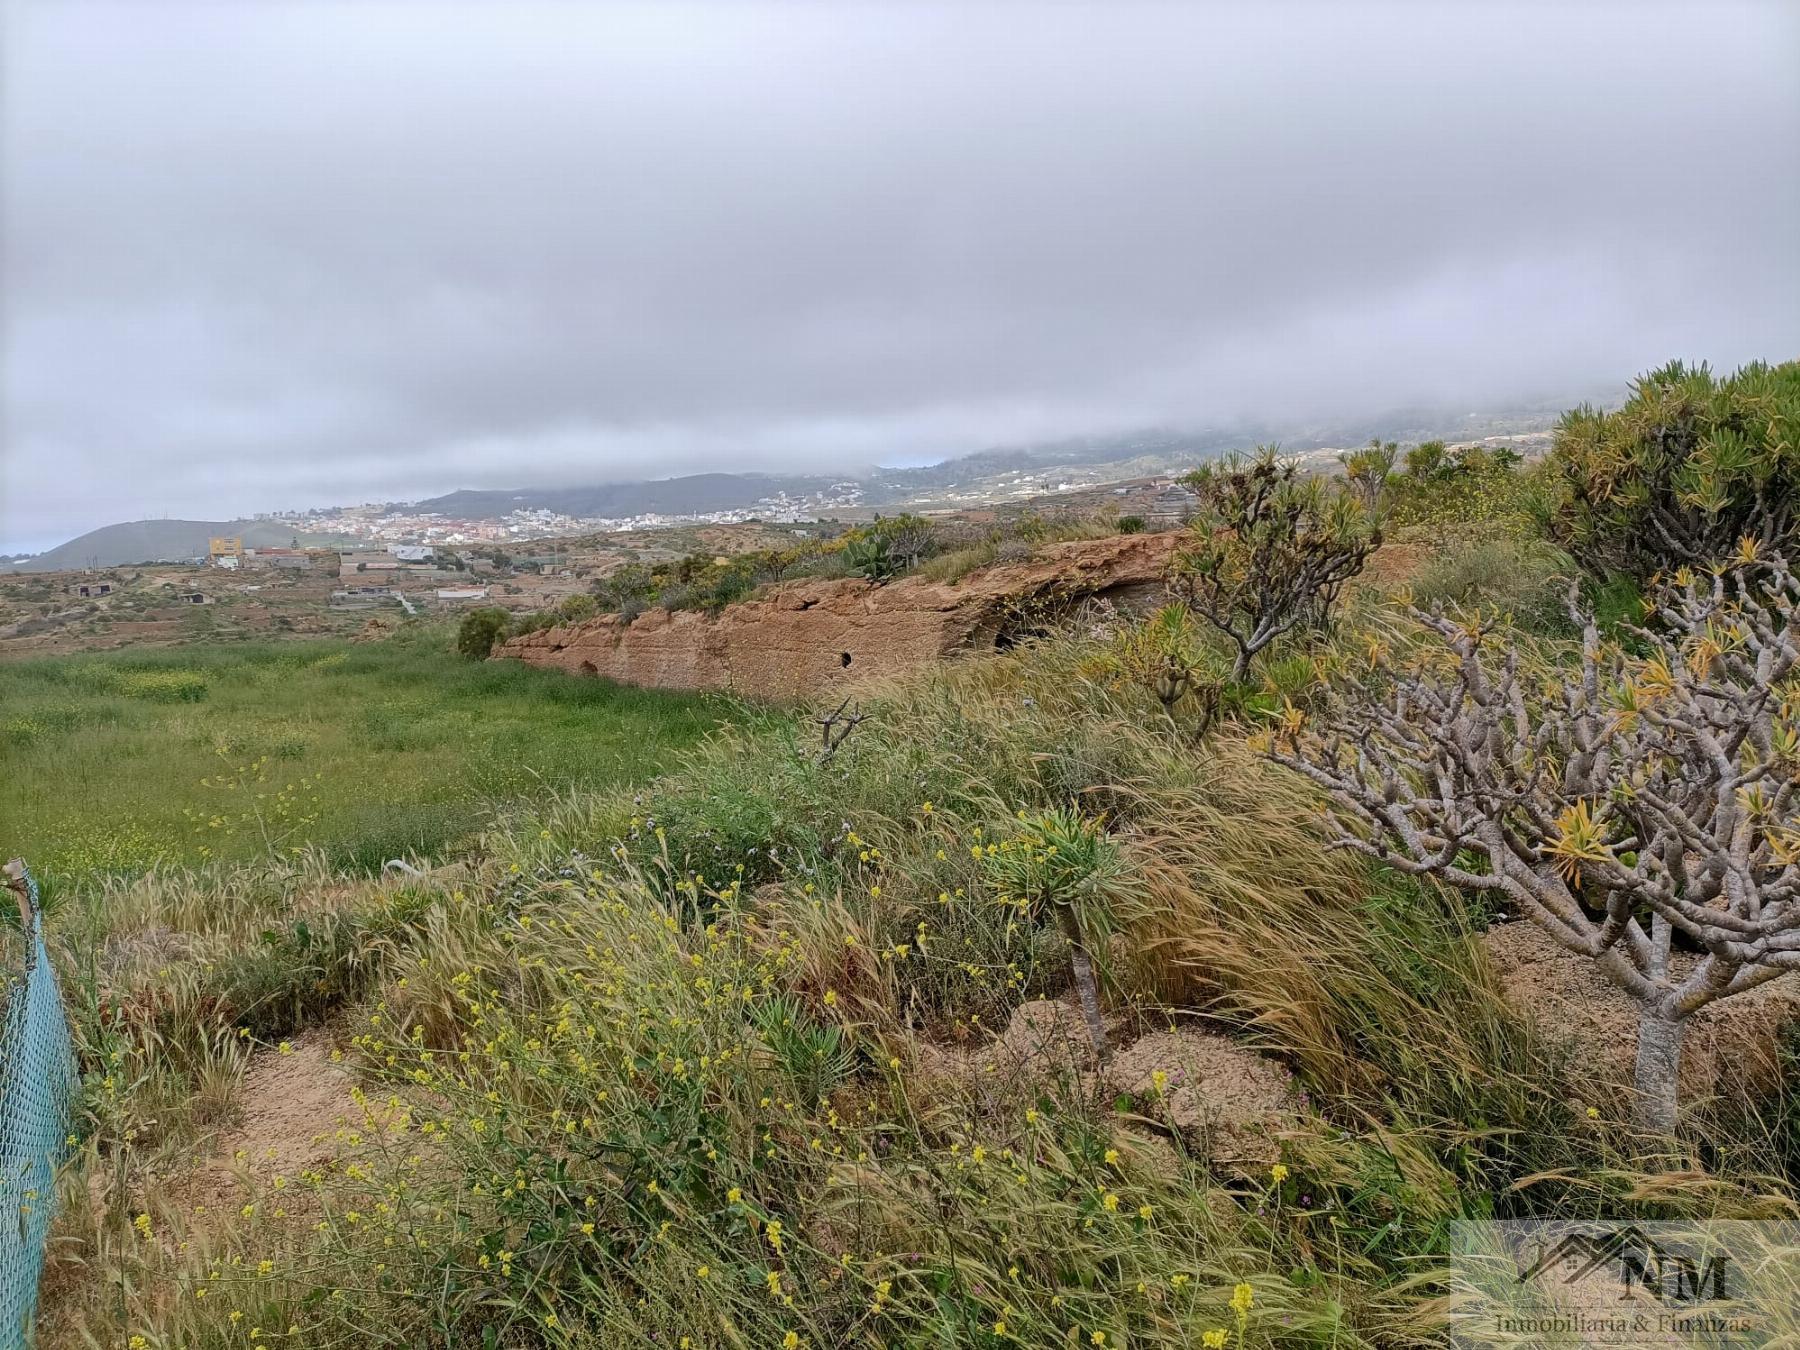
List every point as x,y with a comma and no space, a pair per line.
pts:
1065,864
815,1056
1366,470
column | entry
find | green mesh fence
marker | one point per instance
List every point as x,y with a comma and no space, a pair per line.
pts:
37,1089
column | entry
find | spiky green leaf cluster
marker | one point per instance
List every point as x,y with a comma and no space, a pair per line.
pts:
1689,466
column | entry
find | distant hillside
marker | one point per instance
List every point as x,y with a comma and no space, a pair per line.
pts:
898,485
154,541
1142,453
671,496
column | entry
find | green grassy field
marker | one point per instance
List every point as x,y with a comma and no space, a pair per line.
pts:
120,761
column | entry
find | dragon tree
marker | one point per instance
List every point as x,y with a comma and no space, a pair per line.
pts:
1649,794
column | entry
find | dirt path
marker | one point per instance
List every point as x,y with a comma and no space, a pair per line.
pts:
291,1109
292,1105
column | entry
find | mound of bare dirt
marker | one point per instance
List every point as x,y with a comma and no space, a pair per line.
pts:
1211,1089
1393,564
1729,1047
1225,1099
1043,1038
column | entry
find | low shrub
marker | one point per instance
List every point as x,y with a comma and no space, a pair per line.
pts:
951,567
164,686
1689,466
481,630
1525,577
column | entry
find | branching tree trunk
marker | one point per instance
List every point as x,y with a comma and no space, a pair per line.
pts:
1638,798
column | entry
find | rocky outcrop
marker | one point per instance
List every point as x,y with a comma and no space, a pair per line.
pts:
806,638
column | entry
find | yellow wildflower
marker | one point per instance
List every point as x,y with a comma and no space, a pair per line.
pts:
1242,1297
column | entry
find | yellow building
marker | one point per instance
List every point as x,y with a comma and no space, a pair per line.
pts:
226,548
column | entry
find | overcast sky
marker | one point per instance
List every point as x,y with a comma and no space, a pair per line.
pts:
271,254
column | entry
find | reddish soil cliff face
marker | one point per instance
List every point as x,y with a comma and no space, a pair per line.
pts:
806,638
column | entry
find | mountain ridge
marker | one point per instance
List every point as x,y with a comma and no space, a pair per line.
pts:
885,487
673,496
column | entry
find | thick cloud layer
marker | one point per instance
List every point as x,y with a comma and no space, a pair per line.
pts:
283,253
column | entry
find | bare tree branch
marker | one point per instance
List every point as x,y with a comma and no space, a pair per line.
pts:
835,729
